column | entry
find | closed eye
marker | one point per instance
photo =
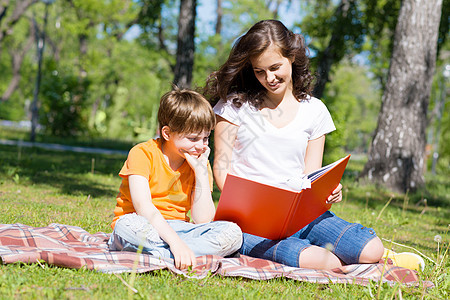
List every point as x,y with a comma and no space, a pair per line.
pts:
274,68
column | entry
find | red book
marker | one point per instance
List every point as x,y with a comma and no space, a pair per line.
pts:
273,212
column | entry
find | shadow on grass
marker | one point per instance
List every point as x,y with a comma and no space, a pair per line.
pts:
15,134
72,173
77,186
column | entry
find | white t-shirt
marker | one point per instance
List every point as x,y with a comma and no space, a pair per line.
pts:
271,155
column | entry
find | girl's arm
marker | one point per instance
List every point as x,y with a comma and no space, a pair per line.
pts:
202,209
314,154
224,138
313,161
142,202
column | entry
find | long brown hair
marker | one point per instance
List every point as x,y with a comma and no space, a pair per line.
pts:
235,80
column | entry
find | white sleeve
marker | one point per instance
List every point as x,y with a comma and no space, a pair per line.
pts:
323,121
228,111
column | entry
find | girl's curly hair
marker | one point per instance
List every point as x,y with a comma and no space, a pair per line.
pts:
235,80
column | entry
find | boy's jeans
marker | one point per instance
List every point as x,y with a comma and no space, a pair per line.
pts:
216,238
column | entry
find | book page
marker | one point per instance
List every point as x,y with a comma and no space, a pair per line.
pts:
319,172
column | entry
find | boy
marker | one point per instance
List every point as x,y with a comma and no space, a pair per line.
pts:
164,178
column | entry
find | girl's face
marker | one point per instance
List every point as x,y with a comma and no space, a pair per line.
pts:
273,71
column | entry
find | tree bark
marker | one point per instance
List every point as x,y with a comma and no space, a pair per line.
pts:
161,39
219,12
275,9
17,57
185,44
396,156
333,52
19,10
40,40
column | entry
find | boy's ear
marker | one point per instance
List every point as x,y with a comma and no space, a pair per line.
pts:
165,132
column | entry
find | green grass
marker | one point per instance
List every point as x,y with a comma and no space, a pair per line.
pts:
39,187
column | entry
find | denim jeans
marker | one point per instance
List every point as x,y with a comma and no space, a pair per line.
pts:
346,240
217,238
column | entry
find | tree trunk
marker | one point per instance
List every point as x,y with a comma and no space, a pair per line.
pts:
185,44
7,24
162,44
333,53
396,156
219,12
40,39
17,57
275,9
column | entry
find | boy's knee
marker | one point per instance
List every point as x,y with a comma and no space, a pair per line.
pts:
230,237
135,228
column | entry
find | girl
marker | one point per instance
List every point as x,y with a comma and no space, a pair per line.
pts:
269,129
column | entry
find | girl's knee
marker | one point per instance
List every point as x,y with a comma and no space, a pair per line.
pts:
315,257
357,244
372,252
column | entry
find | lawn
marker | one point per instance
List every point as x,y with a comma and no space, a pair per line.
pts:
39,187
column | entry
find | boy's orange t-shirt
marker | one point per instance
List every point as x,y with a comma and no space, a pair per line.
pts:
171,190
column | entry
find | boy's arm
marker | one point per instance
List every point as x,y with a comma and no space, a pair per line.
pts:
142,202
202,208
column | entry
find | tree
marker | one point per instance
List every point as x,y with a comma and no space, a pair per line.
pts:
219,12
10,14
17,57
185,44
7,22
353,98
396,155
336,31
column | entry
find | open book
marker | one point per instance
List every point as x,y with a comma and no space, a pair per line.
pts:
273,212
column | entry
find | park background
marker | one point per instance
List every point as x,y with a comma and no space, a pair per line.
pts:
105,64
90,73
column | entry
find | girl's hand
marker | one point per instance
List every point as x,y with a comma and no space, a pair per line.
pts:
336,195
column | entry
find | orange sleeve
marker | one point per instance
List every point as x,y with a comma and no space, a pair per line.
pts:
137,163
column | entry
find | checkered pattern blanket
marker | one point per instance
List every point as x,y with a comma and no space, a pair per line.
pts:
73,247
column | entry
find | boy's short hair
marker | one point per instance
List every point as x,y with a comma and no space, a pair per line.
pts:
185,111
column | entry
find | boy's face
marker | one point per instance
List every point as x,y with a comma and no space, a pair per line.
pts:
194,144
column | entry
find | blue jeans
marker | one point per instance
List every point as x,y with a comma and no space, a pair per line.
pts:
346,240
217,238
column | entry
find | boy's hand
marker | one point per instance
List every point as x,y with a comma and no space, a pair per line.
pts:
183,255
198,163
336,195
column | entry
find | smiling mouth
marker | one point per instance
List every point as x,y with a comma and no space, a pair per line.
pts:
192,153
274,85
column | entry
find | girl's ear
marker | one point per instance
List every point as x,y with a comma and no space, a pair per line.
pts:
165,132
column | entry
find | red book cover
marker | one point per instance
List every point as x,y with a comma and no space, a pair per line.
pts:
273,212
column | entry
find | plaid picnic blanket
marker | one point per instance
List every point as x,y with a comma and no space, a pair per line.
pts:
73,247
